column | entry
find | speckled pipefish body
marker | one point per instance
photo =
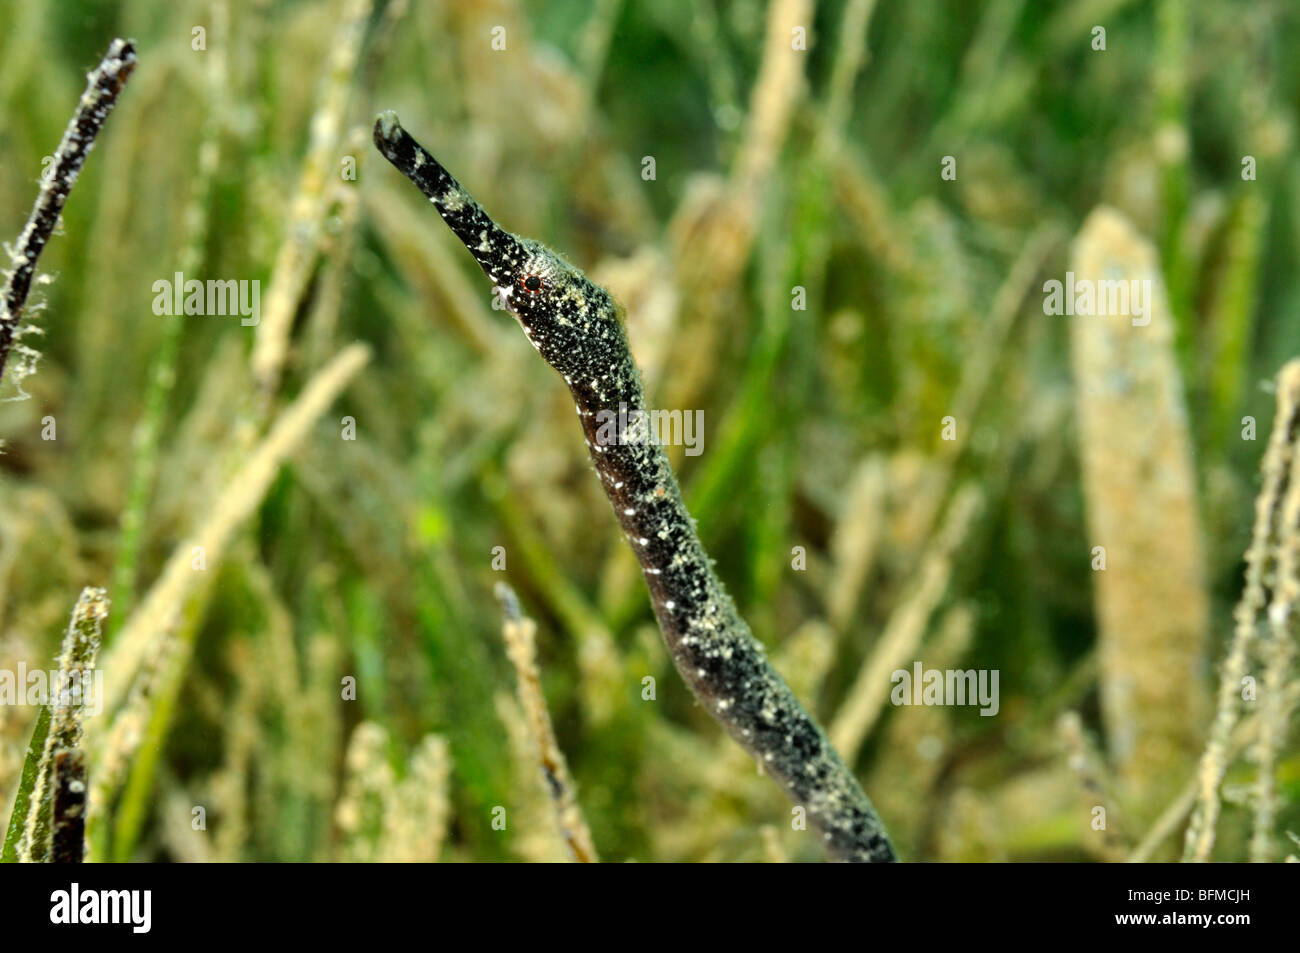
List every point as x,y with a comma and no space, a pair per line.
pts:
575,326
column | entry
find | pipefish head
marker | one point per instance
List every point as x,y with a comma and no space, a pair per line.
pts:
563,314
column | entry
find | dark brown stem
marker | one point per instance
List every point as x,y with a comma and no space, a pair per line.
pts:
102,90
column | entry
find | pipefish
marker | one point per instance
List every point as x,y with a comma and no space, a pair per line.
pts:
575,326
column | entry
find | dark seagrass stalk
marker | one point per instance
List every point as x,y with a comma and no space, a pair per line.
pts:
104,85
575,326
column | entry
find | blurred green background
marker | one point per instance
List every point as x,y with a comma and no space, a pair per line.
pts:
839,516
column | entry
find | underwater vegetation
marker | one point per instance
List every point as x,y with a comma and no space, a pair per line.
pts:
971,329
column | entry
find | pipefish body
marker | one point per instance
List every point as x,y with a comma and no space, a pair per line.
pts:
574,325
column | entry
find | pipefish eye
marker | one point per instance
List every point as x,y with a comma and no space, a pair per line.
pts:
532,283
